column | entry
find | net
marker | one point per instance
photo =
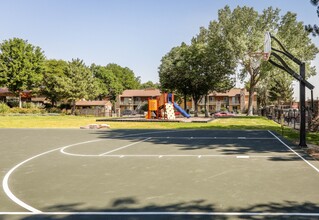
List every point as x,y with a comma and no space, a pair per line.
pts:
255,59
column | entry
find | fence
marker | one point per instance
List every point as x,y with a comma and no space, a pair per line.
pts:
289,117
97,112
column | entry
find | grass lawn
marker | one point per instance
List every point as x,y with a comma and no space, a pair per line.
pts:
250,123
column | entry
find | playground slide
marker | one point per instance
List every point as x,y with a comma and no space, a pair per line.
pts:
184,113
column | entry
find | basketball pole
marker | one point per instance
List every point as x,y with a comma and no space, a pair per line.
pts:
302,99
303,83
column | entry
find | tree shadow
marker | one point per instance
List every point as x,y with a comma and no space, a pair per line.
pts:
200,210
223,142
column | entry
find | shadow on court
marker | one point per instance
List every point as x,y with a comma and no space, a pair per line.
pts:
123,205
226,142
192,142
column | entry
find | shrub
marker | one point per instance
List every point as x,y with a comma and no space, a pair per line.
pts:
32,105
54,110
4,108
13,103
27,111
65,106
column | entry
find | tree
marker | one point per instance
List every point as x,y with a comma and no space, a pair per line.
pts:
21,66
200,67
80,83
263,92
245,29
314,29
125,76
149,84
108,83
54,79
173,72
297,42
281,90
211,64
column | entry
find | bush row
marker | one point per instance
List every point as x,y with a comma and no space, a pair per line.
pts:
27,109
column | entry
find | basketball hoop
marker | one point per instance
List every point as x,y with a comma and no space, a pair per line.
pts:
267,46
255,58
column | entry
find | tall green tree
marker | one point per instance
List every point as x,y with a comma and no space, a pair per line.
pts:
173,72
245,29
80,83
314,29
109,85
281,90
54,80
149,84
299,44
199,68
125,76
21,66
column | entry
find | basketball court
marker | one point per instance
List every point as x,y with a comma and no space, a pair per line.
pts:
155,174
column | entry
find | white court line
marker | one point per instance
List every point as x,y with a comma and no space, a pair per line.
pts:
126,146
192,155
169,213
5,182
33,210
243,157
63,150
315,168
213,138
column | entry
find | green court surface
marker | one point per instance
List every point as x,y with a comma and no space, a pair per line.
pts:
155,174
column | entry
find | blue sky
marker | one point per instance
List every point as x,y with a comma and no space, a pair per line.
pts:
131,33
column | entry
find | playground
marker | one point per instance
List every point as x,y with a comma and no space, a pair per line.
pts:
164,107
155,174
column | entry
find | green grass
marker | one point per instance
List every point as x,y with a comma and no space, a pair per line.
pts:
240,123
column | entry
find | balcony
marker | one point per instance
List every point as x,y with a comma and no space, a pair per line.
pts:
218,102
214,103
234,103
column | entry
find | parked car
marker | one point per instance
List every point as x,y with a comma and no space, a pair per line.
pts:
177,113
128,112
222,114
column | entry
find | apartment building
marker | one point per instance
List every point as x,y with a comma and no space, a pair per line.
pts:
134,99
234,100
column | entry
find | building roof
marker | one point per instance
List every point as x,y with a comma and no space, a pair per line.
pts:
141,93
38,99
4,90
93,103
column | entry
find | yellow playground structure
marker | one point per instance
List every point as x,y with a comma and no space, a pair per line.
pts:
163,107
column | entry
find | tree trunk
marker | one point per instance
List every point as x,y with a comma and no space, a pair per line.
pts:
185,104
196,108
20,100
250,101
73,108
253,82
206,112
196,99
